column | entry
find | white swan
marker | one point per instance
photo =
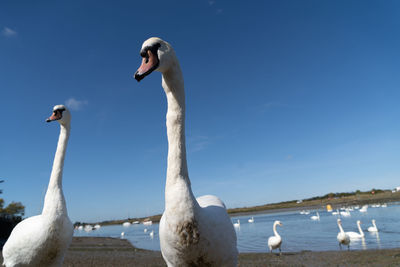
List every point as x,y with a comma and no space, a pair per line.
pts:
336,212
42,240
342,237
315,217
251,220
237,224
345,213
152,234
192,231
126,224
373,228
355,235
364,208
275,241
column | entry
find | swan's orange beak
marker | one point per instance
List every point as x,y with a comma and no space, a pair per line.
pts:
55,116
149,63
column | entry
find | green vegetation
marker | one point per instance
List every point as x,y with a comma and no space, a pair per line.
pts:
13,209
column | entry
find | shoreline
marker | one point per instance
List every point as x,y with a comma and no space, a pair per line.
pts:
353,200
106,251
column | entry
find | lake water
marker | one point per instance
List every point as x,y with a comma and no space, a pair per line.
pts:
298,233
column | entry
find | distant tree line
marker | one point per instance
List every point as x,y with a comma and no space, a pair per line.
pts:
10,216
346,194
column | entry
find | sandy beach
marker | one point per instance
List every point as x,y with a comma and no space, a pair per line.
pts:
99,251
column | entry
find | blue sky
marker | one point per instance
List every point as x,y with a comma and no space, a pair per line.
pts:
285,100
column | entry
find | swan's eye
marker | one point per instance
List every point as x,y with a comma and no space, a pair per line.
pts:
143,53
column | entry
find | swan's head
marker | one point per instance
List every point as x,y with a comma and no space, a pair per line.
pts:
373,220
358,222
157,55
278,223
60,114
339,221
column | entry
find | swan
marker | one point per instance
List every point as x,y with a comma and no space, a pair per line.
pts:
373,228
342,237
122,233
345,213
97,226
42,240
364,208
152,234
237,224
251,220
126,224
192,231
275,241
315,217
336,212
355,235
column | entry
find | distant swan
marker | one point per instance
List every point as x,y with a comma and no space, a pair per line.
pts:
251,220
345,213
237,224
315,217
275,241
192,231
126,224
42,240
355,235
342,237
373,228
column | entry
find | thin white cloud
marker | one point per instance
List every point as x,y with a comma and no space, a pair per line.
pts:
7,32
75,104
198,143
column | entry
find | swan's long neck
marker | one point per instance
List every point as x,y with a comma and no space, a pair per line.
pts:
54,202
360,230
275,232
178,192
373,223
340,228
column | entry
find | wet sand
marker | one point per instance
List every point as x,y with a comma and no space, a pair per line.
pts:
99,251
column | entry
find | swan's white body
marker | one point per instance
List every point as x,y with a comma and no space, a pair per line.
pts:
251,220
126,224
336,212
345,213
342,237
373,228
193,232
275,241
42,240
364,208
315,217
355,235
237,224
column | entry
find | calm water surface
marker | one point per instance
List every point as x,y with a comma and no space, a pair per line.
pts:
299,232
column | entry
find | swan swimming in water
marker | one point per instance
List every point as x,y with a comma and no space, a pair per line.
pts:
275,241
342,237
192,231
42,240
355,235
237,224
251,220
373,228
315,217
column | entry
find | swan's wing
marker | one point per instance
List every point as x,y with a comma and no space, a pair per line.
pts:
210,200
24,238
217,227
